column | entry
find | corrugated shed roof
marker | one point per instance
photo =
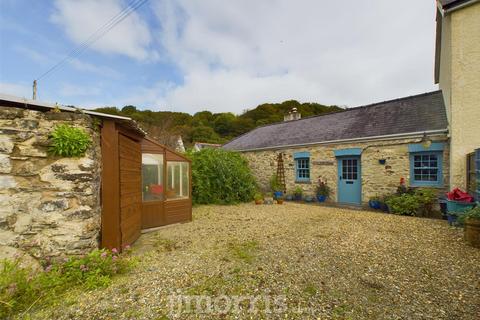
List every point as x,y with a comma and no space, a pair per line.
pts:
18,102
424,112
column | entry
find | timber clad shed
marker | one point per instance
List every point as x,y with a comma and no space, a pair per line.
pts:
144,185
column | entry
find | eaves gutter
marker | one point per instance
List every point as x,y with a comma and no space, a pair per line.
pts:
373,138
446,10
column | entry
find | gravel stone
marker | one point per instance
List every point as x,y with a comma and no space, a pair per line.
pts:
326,263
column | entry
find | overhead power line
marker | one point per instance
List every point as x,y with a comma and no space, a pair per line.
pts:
109,25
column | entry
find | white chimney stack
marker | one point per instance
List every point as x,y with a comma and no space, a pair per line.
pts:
292,115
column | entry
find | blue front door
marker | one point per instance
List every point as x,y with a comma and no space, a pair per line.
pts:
349,180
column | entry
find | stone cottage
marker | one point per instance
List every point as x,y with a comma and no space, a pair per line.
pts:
361,152
428,139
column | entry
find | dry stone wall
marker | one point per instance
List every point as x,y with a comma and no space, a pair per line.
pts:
50,206
377,179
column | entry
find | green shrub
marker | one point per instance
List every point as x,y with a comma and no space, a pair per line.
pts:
426,199
221,177
473,213
21,288
68,141
418,202
404,204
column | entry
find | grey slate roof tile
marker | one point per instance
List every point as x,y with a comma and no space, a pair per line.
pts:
418,113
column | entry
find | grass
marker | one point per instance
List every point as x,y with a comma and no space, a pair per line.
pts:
244,251
310,290
165,244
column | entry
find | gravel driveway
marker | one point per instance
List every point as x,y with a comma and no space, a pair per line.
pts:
291,261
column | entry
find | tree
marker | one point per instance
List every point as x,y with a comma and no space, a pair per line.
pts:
204,134
223,123
129,109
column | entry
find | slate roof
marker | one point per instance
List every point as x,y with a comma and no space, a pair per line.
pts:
419,113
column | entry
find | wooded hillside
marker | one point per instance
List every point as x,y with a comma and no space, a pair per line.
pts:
205,126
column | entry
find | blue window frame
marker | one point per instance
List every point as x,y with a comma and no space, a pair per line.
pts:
426,169
302,166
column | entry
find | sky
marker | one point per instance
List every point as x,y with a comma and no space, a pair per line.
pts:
218,55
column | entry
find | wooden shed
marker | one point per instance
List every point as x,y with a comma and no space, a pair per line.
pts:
144,184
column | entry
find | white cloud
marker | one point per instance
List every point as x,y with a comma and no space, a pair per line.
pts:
80,19
16,89
74,90
99,70
238,54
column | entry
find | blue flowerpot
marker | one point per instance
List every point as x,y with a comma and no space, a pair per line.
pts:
374,204
452,219
297,197
321,198
289,197
384,207
277,194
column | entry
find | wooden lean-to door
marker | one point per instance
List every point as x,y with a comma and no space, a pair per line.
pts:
130,158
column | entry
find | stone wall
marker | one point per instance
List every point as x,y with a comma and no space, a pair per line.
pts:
377,179
50,206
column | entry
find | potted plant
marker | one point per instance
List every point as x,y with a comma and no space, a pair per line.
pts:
374,202
276,187
289,197
279,200
268,199
323,190
472,226
297,193
258,198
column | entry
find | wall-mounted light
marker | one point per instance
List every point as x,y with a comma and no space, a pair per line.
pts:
426,142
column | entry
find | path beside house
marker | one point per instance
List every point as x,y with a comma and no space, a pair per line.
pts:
326,262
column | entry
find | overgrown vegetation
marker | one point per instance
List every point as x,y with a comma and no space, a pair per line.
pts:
221,177
68,141
206,126
21,289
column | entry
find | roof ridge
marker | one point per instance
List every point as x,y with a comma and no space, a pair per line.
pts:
344,110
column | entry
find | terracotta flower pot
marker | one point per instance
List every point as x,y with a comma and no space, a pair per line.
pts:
472,232
258,201
280,201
